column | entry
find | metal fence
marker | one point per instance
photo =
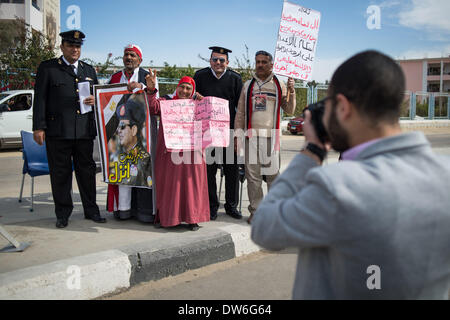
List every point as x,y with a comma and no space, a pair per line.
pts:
425,105
416,105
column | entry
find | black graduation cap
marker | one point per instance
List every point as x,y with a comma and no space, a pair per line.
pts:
220,50
73,36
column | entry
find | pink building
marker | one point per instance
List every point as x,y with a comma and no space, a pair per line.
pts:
427,75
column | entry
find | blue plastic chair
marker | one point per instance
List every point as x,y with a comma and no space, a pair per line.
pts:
35,162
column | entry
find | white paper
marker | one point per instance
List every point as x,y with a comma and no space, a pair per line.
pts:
297,42
84,92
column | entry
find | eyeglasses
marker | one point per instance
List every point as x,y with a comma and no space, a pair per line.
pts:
222,60
122,126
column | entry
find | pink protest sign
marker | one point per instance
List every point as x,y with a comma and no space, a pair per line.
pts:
193,125
297,42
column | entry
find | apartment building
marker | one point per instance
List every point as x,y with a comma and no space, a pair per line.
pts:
40,15
427,75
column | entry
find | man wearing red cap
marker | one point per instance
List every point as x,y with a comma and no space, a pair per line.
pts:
120,197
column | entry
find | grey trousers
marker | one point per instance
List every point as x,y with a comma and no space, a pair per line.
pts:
260,161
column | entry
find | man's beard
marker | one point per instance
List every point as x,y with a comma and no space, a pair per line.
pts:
337,135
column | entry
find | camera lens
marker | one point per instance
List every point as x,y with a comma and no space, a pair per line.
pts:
317,110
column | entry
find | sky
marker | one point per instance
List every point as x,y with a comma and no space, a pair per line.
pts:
178,31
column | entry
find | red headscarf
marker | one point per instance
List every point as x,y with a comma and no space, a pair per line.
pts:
189,80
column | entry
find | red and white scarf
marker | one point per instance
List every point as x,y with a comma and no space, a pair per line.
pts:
277,114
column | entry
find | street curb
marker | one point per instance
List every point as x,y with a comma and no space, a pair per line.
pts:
405,124
420,124
99,274
151,262
107,272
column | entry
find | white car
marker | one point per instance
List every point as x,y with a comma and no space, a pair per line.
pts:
16,113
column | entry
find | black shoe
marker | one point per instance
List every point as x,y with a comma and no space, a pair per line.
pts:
213,213
62,223
116,215
234,213
96,218
125,215
194,227
158,226
146,218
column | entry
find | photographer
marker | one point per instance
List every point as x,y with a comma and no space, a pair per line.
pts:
385,207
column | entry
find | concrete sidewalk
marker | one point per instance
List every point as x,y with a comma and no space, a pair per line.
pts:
88,260
108,257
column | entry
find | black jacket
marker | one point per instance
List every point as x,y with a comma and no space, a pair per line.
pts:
228,87
56,107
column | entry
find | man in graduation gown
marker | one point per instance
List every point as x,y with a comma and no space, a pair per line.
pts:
67,128
218,81
126,201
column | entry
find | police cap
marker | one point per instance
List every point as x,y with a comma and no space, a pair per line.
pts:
133,111
73,36
220,50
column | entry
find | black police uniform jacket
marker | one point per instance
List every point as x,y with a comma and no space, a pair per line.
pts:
56,107
228,87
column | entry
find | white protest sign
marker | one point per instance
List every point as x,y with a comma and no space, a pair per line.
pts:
192,125
297,42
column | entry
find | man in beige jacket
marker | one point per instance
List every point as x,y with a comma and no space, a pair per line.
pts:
257,122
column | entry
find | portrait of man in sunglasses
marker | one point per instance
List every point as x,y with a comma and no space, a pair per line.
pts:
131,165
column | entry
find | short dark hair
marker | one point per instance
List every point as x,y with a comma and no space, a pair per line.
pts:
374,83
264,53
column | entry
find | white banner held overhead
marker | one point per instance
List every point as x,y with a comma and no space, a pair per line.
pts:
297,42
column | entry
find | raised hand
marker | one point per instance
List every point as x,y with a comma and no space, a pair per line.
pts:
291,85
151,80
134,85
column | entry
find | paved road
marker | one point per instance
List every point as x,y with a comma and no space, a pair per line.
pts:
259,276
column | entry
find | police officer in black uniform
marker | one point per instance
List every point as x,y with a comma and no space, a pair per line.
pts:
67,131
218,81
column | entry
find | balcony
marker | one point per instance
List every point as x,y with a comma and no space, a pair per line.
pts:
434,72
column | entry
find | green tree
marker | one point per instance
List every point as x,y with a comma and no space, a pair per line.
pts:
301,95
244,66
20,58
102,68
173,74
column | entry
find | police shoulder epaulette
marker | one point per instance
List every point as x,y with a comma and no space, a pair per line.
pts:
203,70
85,63
234,72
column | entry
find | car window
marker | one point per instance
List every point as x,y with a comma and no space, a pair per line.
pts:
20,102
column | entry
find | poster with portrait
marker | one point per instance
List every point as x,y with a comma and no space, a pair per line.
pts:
127,136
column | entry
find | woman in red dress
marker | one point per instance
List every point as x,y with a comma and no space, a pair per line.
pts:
181,189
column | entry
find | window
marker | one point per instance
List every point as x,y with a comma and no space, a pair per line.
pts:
20,102
34,4
434,71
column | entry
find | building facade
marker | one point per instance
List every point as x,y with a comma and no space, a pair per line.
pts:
427,75
41,16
